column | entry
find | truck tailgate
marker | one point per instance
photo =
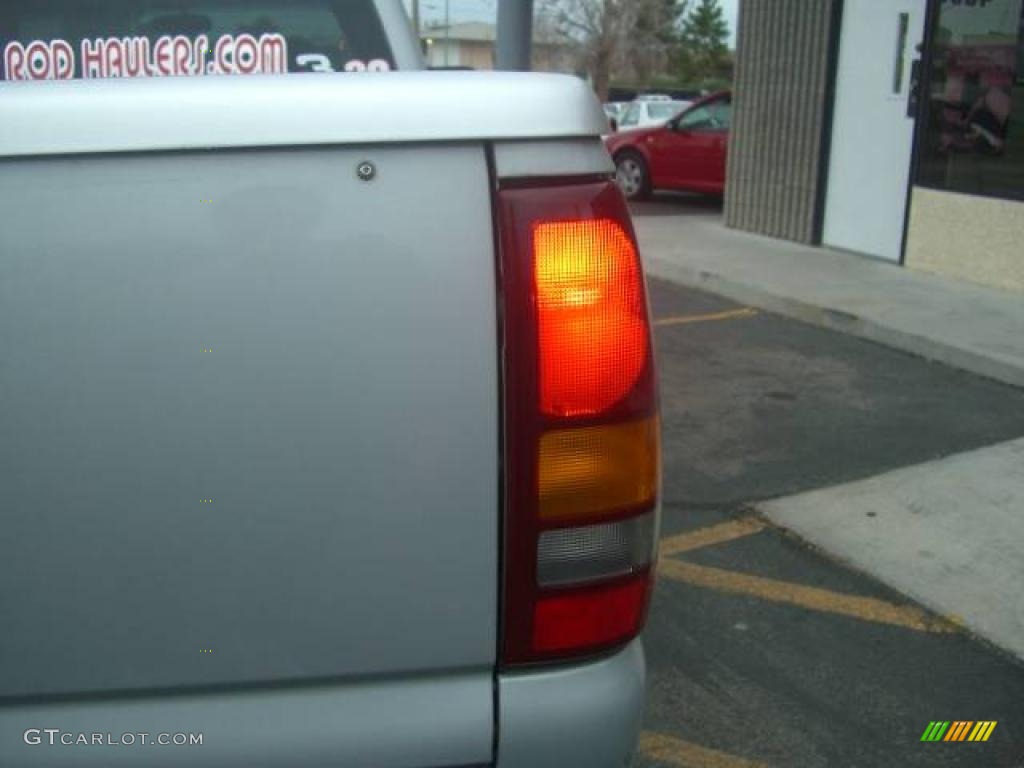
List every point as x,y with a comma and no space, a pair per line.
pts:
249,408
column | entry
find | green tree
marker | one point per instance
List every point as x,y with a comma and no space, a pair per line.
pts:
658,20
703,53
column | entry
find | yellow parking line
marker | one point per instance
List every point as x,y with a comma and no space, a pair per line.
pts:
705,537
812,598
732,314
677,752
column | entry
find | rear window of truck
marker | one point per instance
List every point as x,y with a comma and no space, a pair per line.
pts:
87,39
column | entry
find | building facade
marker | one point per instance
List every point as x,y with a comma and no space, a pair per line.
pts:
471,45
890,128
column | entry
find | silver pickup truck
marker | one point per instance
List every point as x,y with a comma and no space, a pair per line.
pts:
328,412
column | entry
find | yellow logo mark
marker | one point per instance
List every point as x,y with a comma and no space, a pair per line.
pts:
958,730
206,650
981,731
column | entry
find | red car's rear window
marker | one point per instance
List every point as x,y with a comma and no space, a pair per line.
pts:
67,39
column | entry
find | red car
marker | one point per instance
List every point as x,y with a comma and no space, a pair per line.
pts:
686,153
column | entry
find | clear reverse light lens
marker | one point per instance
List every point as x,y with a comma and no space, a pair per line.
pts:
570,556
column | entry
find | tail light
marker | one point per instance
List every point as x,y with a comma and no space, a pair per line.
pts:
581,424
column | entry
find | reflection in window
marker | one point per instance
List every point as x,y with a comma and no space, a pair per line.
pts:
973,140
664,110
696,118
722,114
715,116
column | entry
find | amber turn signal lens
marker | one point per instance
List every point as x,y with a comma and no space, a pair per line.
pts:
588,472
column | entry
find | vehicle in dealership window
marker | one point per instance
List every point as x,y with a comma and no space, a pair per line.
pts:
298,451
687,153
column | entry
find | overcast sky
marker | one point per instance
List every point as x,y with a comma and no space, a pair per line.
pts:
485,10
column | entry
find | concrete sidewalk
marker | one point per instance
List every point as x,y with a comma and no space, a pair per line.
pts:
948,533
965,326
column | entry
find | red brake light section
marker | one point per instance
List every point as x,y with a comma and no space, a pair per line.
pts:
606,614
582,455
590,315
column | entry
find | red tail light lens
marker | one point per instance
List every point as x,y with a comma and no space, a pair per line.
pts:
590,315
581,423
583,617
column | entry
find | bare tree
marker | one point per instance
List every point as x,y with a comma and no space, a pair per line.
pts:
598,28
612,35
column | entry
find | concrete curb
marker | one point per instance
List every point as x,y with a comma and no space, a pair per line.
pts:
932,349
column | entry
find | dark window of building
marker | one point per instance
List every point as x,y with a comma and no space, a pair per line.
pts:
66,39
973,138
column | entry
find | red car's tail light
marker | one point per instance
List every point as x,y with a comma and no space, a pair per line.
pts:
582,452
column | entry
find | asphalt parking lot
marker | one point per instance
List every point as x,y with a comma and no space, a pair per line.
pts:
761,650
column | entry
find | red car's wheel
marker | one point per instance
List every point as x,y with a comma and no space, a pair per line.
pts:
632,175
